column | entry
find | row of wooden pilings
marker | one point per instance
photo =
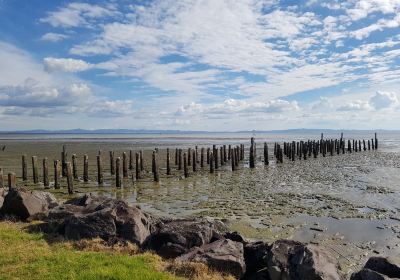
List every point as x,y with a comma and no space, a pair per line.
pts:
187,161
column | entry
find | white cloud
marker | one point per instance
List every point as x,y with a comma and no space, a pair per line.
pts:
363,8
77,14
356,105
383,100
66,64
54,37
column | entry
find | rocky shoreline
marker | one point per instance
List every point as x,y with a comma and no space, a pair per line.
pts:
185,240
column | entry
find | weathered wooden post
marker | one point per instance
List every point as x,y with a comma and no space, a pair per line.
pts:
180,159
211,158
233,163
141,160
364,146
11,181
46,182
369,145
208,155
24,168
185,167
176,156
124,165
221,155
215,155
168,163
202,157
372,144
194,161
376,142
266,161
130,160
35,174
57,174
112,165
225,158
74,167
236,156
229,152
70,181
349,146
118,180
137,166
1,178
251,155
85,168
64,161
155,167
189,157
197,155
99,170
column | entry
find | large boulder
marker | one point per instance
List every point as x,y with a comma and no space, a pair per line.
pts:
96,216
22,203
223,255
255,255
278,258
386,266
2,194
289,259
176,237
313,263
367,274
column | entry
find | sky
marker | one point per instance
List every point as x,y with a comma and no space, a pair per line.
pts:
217,65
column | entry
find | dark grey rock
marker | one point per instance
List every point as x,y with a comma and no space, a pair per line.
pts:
367,274
223,255
255,255
386,266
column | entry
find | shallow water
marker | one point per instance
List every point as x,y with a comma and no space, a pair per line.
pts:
349,203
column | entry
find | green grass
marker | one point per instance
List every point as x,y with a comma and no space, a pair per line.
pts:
26,255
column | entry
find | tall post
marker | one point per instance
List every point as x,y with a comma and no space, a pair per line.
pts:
112,163
70,181
376,141
194,161
233,164
251,160
24,168
124,165
85,168
155,167
99,170
168,163
1,178
57,174
189,157
46,182
215,154
211,158
130,160
208,155
141,161
180,159
185,167
266,161
202,157
225,157
74,167
35,174
118,180
176,156
221,155
64,161
137,166
11,181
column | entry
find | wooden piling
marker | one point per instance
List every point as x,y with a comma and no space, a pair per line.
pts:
176,156
124,165
141,160
64,161
233,164
155,167
225,157
85,168
57,174
168,163
251,155
70,181
211,158
229,152
376,141
194,165
130,160
369,145
35,174
46,182
221,155
11,181
202,157
24,168
112,163
118,179
185,166
208,155
189,157
74,167
99,170
137,166
215,155
266,160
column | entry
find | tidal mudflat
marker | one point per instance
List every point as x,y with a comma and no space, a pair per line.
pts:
348,203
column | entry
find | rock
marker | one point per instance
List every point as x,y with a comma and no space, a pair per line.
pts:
313,262
223,255
278,258
386,266
176,237
234,236
96,216
255,256
23,204
367,274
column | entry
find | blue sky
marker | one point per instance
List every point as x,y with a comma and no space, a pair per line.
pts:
200,65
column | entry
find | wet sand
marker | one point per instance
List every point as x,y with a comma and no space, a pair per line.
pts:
348,203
